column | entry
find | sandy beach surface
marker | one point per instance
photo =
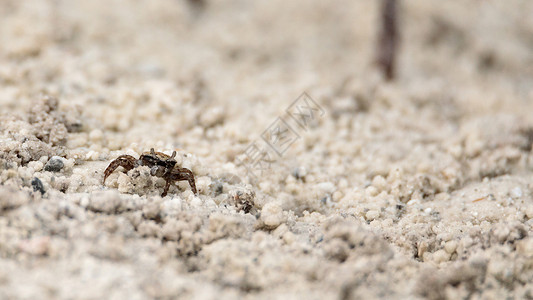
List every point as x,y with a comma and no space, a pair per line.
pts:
316,178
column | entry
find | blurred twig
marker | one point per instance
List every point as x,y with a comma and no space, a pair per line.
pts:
388,39
198,5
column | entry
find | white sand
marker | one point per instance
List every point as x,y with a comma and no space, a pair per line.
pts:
419,188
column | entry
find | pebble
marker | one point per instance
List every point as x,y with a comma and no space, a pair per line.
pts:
92,155
36,165
203,183
450,247
326,187
299,172
372,215
337,196
371,191
272,214
55,164
37,185
379,182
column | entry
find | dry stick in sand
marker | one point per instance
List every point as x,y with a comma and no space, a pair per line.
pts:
198,5
388,39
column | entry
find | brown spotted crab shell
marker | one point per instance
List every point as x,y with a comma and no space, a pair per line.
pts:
159,162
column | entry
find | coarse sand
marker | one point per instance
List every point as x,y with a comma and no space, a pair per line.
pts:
316,178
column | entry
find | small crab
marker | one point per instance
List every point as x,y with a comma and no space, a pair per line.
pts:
160,164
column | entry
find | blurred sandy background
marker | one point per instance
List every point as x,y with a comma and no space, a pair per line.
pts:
419,188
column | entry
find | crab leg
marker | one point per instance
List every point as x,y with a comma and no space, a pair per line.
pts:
125,161
184,174
167,186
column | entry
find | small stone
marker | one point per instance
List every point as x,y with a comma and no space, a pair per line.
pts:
36,165
337,196
272,214
299,173
37,185
326,187
371,191
92,155
55,164
379,182
372,215
203,183
450,247
289,238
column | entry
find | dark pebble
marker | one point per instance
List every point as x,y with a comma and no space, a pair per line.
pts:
37,185
55,164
